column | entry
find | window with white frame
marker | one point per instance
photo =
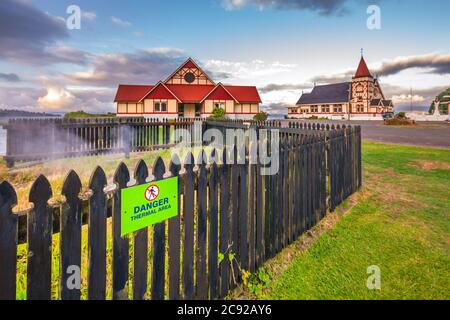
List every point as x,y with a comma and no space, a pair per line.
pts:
337,108
220,105
161,106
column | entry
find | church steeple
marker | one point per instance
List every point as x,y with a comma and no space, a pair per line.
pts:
363,70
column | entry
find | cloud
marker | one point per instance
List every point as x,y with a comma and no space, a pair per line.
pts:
281,87
144,66
88,15
23,98
30,36
436,63
139,34
246,70
276,108
401,96
336,78
322,7
120,22
433,63
57,98
9,77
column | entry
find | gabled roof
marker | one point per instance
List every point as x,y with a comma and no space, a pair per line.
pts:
380,103
375,102
219,93
160,91
245,93
131,93
363,70
187,93
189,63
387,103
331,93
192,93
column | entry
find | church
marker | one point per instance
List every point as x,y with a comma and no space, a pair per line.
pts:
186,93
360,99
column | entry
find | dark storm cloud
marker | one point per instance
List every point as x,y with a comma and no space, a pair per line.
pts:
282,87
437,63
323,7
9,77
28,35
337,78
144,66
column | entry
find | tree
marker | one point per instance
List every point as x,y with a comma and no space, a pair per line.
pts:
261,116
443,97
218,114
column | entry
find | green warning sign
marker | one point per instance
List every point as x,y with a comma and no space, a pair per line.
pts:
148,204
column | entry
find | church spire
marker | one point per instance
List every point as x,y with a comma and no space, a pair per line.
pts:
363,70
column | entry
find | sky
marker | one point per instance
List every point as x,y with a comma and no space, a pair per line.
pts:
283,47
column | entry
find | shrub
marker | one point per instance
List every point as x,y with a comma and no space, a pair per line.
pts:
218,114
261,116
83,114
399,122
400,115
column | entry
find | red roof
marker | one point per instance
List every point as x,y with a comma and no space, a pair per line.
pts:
160,91
219,93
244,93
189,64
131,93
363,70
188,93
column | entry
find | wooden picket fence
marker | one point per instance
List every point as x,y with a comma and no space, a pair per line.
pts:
226,210
31,139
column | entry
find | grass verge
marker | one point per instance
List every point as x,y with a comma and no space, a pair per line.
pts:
399,223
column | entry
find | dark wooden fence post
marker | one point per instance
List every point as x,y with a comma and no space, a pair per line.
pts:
234,216
70,243
120,245
174,237
243,209
159,244
188,220
201,283
140,270
97,236
251,196
39,238
213,228
8,242
224,224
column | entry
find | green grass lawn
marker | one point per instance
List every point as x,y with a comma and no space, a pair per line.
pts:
400,223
